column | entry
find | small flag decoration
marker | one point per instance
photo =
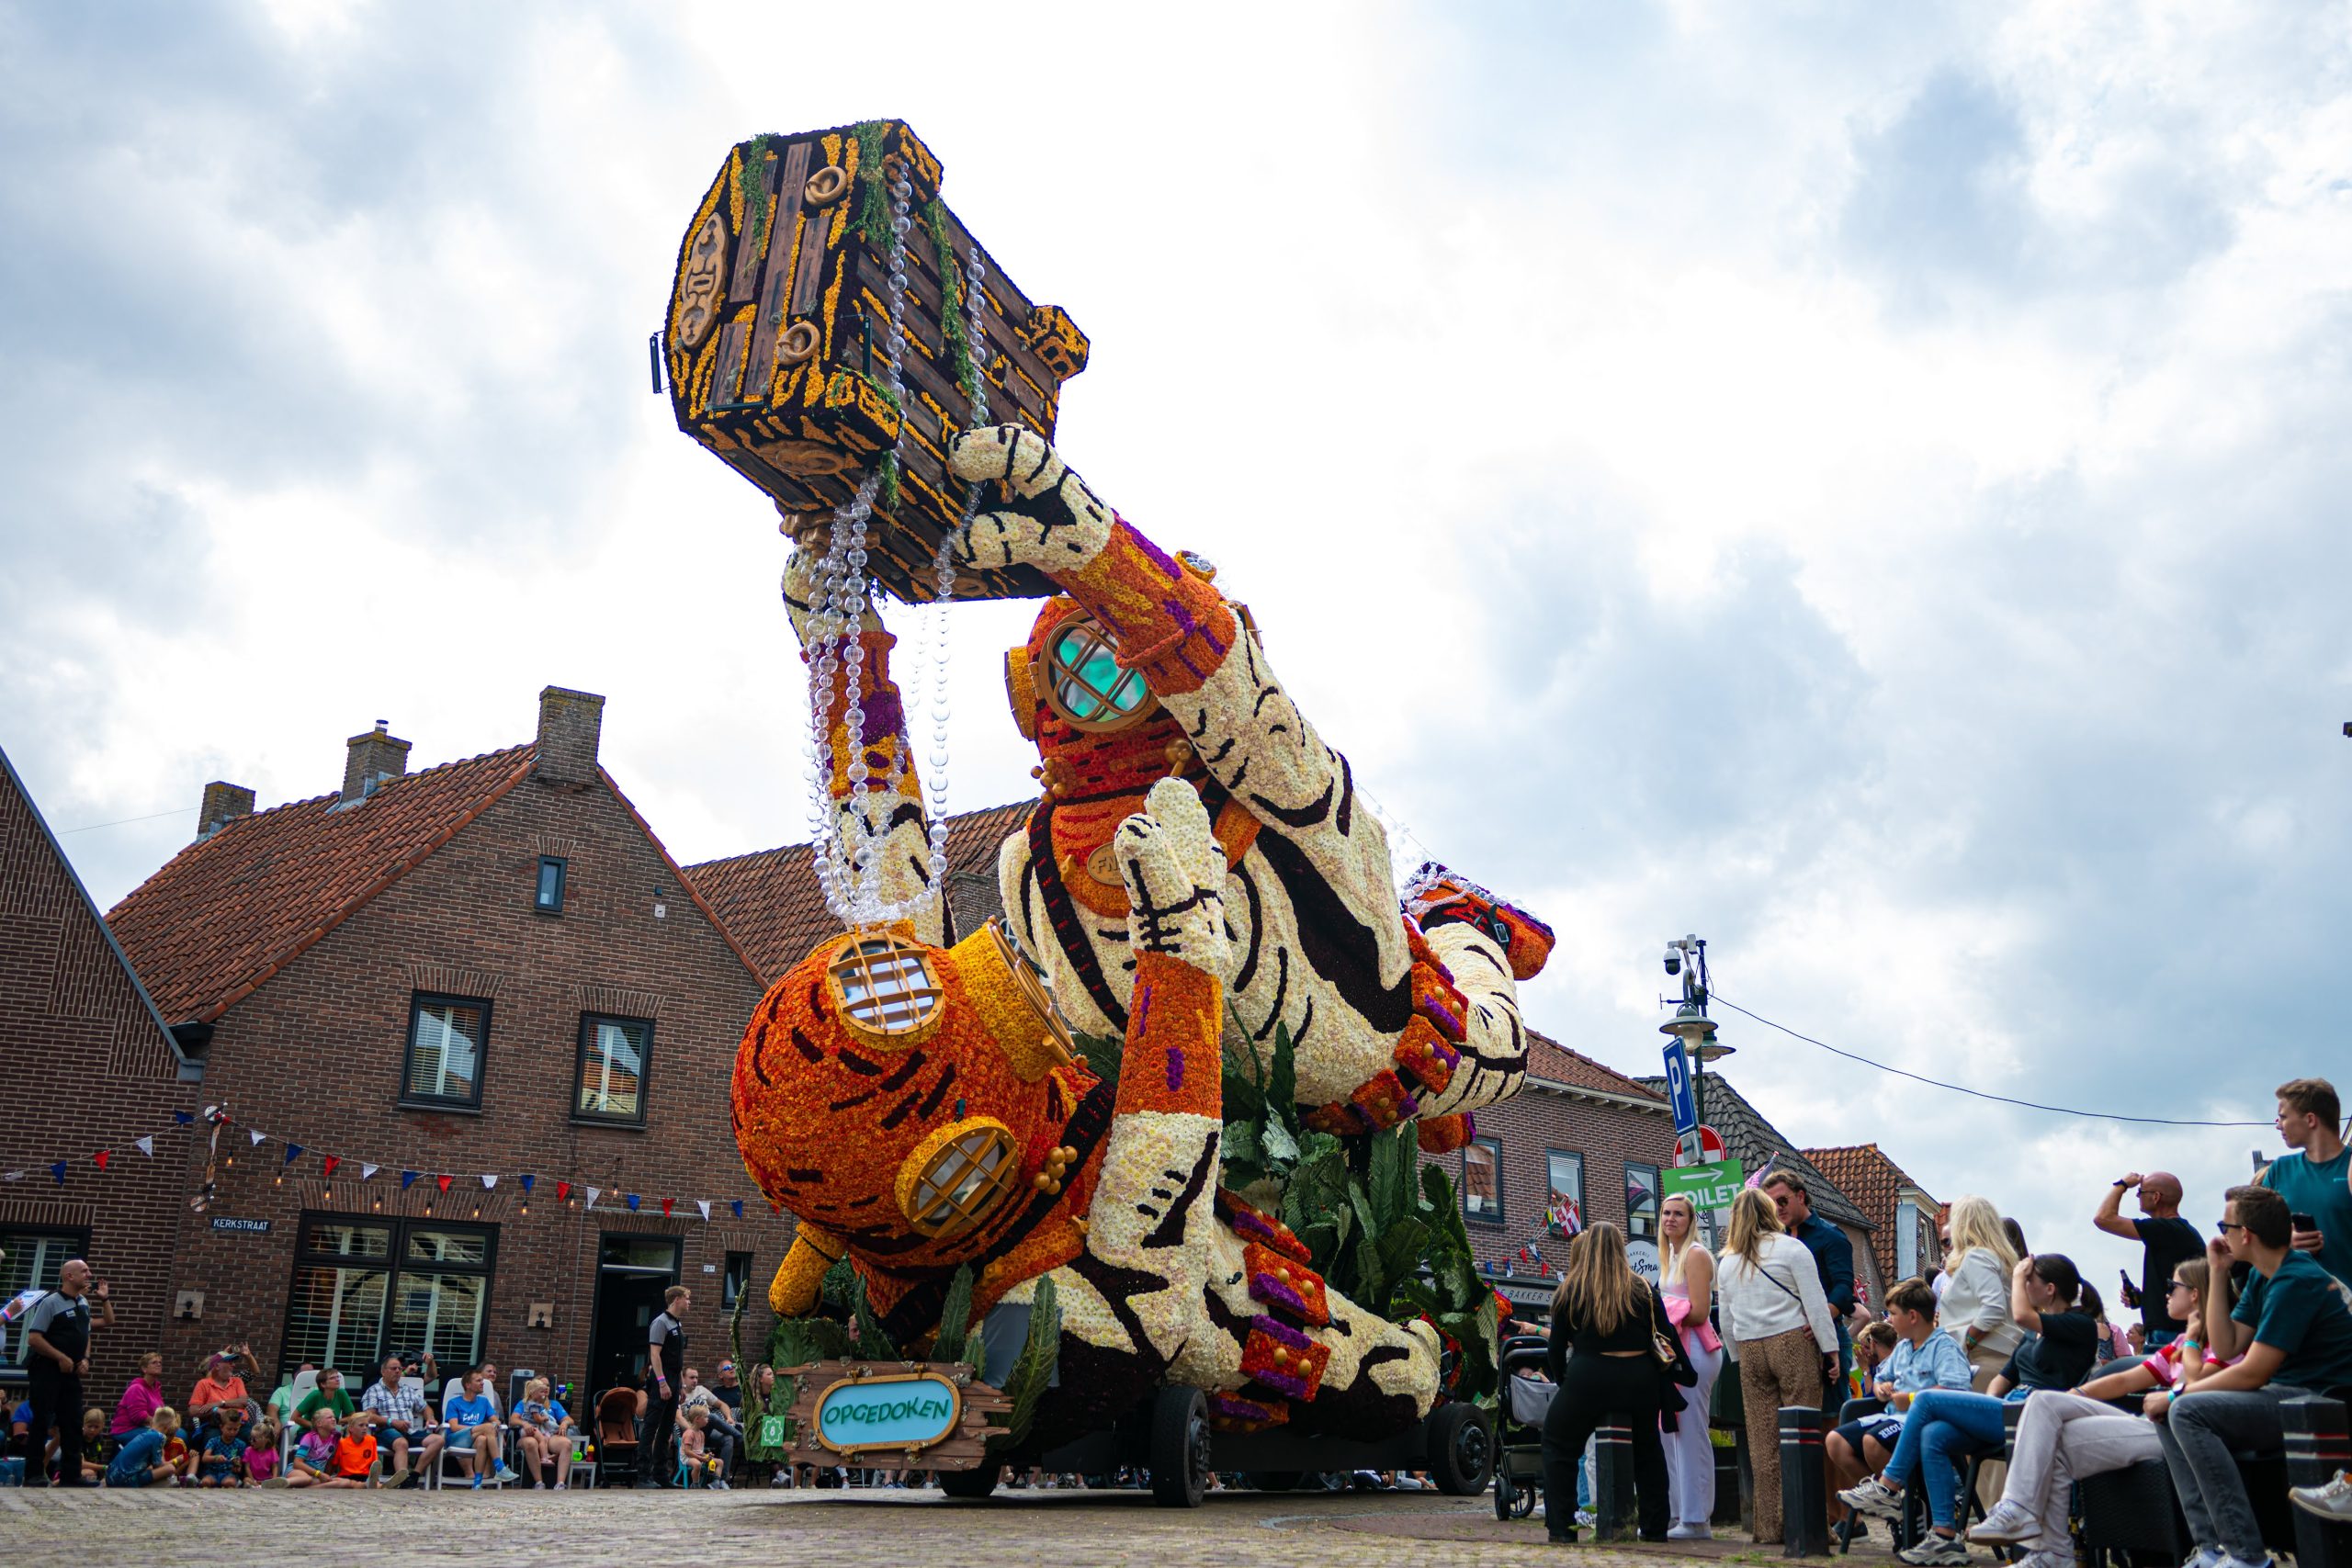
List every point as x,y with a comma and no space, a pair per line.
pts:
739,1208
147,1147
408,1179
58,1170
563,1191
328,1162
293,1153
444,1182
632,1202
593,1193
100,1157
367,1172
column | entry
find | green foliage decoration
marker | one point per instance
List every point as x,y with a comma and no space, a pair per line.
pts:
873,220
1033,1369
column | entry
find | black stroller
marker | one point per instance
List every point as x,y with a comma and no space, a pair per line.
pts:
1520,1408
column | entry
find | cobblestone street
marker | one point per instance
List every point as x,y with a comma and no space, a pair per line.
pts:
164,1529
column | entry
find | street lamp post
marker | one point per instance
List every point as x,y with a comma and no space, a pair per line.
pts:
1687,956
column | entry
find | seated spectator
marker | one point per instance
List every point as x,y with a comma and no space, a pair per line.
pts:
314,1455
546,1433
2111,1342
1873,1342
354,1451
282,1398
2065,1436
136,1409
2311,1180
222,1460
1975,1294
179,1456
2292,1336
1943,1425
138,1460
330,1395
720,1433
261,1454
403,1421
694,1458
1922,1360
729,1392
221,1385
94,1447
471,1429
20,1429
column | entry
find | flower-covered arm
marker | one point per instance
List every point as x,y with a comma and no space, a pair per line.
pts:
882,819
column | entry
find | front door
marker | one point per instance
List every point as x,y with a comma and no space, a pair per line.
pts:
632,1274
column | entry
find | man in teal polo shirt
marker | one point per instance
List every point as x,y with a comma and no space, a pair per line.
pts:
2312,1178
2293,1329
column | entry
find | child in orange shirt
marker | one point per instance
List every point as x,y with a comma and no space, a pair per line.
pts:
354,1454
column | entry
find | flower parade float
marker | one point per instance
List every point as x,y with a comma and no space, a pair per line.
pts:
1132,1174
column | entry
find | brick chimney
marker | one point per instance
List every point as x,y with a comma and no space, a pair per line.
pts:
569,725
223,804
372,756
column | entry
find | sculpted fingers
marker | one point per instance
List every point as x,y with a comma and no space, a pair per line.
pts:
1010,454
1068,523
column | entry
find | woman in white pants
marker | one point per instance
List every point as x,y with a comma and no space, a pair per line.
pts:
2061,1438
1687,1282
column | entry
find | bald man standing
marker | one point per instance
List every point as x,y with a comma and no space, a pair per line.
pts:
2166,1241
57,1338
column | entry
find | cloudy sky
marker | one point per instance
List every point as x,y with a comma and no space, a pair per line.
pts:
1861,484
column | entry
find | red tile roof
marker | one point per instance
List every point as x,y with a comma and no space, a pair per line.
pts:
1547,1058
768,901
231,910
1874,1182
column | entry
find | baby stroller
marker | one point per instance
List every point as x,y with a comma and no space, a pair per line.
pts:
1518,1456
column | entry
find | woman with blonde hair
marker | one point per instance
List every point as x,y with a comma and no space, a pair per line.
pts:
1778,1324
1974,1309
1686,1280
1615,1326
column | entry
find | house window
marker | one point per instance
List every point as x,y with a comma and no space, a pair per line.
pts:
732,1283
31,1268
366,1287
1906,1239
445,1036
1641,1200
549,898
1482,1180
612,1059
1564,1203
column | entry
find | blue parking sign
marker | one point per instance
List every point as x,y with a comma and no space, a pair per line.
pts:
1677,1088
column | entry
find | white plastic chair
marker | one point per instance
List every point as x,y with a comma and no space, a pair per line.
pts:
304,1384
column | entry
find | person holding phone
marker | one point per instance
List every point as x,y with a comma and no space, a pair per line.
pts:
2311,1180
2166,1241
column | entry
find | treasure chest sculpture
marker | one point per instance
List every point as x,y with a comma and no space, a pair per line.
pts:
777,342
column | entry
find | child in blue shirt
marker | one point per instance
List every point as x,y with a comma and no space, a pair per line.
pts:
222,1462
1923,1359
139,1461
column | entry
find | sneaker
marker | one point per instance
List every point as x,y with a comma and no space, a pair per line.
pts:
718,1483
477,1483
1935,1551
405,1478
538,1485
2228,1561
1690,1533
2006,1525
500,1475
2045,1560
1876,1497
2204,1557
2333,1501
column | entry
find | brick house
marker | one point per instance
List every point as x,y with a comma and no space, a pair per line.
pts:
488,967
1903,1242
1577,1131
92,1068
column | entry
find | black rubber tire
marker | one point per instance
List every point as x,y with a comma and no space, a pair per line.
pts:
1180,1447
972,1485
1502,1493
1275,1479
1461,1449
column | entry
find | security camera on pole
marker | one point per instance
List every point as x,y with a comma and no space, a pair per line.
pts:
1701,1173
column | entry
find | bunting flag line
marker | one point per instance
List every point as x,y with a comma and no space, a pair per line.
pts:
328,1163
147,1146
563,1191
703,1205
58,1170
407,1178
593,1192
527,1178
100,1157
738,1207
666,1208
444,1182
255,1136
488,1181
632,1200
367,1172
185,1118
293,1153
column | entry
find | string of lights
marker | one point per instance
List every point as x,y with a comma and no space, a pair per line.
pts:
1974,1093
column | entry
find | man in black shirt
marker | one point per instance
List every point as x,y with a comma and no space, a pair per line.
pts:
665,1357
57,1342
2166,1240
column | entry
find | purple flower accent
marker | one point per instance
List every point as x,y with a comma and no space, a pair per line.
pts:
1276,1329
1274,1294
1175,1070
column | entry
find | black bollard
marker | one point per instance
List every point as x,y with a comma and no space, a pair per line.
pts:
1613,1479
1804,1484
2318,1445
